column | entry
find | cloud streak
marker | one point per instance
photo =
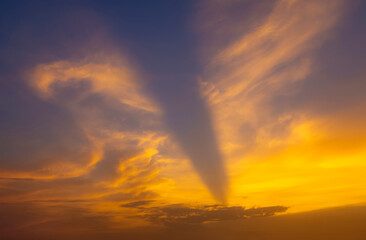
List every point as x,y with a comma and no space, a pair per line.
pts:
258,64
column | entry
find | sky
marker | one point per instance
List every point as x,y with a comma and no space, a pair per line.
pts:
183,119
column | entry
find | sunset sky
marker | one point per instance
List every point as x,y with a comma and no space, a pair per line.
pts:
183,119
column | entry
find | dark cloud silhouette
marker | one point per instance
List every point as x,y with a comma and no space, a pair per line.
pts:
136,204
184,216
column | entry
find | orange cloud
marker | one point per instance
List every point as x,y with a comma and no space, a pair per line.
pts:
122,125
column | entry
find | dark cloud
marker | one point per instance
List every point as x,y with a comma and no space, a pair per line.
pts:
183,216
137,204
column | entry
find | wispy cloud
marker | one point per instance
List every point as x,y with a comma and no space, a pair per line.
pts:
261,63
274,124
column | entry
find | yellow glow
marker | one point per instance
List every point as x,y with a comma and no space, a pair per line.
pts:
311,171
